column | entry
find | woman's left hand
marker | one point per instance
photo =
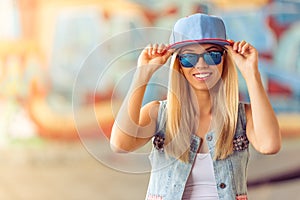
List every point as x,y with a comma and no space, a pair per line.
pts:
245,57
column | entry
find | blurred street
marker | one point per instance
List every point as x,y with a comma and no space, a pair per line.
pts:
63,171
45,170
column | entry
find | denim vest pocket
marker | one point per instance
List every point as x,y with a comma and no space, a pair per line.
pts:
159,178
169,174
167,178
224,179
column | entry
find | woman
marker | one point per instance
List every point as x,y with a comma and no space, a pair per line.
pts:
201,132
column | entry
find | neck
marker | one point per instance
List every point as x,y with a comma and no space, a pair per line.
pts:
204,102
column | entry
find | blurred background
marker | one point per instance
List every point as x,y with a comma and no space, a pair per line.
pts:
43,47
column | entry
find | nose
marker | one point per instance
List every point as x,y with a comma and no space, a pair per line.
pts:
201,63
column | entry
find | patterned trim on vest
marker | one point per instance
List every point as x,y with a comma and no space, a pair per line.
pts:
159,141
240,143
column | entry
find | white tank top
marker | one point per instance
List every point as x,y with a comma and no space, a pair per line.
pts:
201,184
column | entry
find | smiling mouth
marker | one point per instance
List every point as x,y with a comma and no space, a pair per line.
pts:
202,76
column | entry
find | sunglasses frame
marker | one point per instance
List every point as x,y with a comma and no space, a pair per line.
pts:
180,56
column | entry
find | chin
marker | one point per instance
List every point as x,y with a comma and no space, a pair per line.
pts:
209,85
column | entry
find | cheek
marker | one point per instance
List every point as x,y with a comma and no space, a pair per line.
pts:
220,68
184,71
217,72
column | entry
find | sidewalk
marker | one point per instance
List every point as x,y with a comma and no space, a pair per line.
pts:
66,171
264,167
63,171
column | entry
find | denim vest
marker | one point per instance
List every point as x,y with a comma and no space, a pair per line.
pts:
169,175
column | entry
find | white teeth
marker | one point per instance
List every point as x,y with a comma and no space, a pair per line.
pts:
204,75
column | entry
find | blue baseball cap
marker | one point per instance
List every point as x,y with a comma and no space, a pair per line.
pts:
198,29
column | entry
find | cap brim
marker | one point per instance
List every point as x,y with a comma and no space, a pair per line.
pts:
220,42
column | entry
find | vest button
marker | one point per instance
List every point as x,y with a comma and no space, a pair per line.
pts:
209,138
222,185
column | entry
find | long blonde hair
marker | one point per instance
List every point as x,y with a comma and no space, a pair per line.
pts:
182,113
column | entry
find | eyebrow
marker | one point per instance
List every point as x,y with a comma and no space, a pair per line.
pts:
209,48
212,47
186,50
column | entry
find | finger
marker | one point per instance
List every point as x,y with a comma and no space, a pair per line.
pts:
149,49
231,49
245,48
166,49
161,48
154,49
167,53
231,42
145,51
235,46
146,48
241,44
232,52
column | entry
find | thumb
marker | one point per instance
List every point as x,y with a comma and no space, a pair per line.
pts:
168,53
231,51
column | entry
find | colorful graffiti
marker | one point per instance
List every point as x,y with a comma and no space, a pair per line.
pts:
46,42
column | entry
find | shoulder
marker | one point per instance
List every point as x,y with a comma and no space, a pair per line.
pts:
151,109
152,105
156,105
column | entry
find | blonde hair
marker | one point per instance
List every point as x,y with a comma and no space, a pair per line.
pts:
182,111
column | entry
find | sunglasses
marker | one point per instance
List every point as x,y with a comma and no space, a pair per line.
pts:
189,60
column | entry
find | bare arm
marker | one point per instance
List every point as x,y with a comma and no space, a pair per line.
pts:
134,125
262,125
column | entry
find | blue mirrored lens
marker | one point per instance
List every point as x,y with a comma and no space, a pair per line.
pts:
210,58
188,60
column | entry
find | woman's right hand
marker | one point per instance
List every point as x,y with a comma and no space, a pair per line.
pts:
154,56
